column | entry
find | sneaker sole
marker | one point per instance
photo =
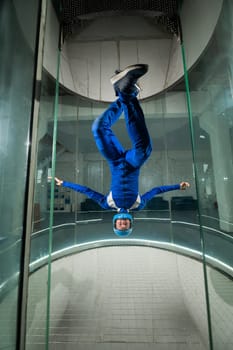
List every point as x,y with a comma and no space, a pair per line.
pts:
122,74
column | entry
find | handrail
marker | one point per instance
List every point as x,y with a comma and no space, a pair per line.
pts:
77,248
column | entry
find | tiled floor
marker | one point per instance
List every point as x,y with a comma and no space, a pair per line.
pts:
115,298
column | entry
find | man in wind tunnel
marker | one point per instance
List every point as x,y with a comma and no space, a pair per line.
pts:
124,164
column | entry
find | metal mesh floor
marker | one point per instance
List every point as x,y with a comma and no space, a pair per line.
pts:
112,298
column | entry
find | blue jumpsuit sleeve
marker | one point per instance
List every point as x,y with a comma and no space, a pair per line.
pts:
157,190
96,196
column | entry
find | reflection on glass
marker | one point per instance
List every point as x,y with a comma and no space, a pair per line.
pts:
37,299
17,64
212,107
171,218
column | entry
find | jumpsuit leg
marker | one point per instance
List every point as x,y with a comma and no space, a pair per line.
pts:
137,130
106,141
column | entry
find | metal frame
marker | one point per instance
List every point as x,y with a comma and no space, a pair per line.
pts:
30,184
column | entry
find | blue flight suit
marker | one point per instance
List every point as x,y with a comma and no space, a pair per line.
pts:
124,164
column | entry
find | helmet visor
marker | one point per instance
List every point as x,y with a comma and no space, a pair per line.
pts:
122,224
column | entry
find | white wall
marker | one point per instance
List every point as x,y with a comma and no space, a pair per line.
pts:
90,57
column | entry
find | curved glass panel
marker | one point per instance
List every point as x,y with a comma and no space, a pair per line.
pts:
18,33
44,196
172,220
211,101
188,145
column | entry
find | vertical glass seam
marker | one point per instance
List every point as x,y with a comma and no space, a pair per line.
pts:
30,181
202,239
51,212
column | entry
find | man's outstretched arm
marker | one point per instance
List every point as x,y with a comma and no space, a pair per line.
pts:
162,189
96,196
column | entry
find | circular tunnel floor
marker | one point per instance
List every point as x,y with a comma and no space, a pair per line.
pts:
113,298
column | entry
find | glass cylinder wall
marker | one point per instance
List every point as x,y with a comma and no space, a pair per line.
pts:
212,123
194,146
18,35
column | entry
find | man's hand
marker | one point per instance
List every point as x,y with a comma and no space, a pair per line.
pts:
184,185
59,182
